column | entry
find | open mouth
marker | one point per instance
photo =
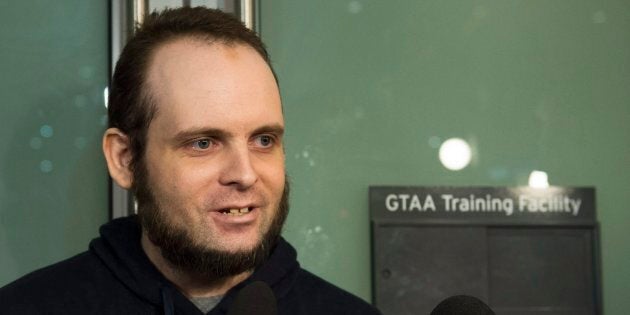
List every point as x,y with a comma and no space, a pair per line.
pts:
236,212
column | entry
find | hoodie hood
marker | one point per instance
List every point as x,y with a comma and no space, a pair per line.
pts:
120,250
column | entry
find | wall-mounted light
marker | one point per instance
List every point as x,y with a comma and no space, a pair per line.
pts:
538,179
455,154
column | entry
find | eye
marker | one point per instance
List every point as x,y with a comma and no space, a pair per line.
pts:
265,141
202,144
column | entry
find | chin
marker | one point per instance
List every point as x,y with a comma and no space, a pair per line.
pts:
236,245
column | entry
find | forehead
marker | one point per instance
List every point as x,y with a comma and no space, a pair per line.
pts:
198,83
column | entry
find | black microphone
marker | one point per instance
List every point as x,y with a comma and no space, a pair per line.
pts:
462,305
255,298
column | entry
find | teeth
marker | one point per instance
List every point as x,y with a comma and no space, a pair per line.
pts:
235,212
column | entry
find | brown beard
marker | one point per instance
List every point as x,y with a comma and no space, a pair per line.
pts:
179,248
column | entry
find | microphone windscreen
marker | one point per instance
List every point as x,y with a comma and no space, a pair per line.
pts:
462,305
255,298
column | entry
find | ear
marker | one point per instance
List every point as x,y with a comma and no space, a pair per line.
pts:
117,150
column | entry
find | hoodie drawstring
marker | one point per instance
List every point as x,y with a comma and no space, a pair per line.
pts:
167,301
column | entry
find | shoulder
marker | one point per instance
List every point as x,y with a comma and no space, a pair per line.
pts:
323,297
58,286
50,276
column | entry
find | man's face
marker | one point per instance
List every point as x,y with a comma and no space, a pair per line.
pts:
214,158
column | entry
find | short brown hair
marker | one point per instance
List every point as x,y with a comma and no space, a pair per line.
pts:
131,106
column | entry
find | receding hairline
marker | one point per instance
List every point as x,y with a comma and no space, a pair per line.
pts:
150,98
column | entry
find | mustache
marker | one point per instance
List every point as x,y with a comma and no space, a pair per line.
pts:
229,198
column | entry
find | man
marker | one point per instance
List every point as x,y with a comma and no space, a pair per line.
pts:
196,130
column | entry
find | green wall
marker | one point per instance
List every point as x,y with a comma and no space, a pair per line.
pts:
371,88
53,180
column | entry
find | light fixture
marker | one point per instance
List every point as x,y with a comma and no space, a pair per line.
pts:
455,154
538,179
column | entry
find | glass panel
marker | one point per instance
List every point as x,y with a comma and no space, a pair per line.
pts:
53,180
372,90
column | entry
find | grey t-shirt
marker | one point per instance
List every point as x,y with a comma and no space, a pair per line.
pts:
205,304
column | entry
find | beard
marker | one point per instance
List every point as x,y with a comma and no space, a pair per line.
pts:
182,250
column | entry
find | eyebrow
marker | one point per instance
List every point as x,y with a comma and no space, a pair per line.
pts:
191,133
275,129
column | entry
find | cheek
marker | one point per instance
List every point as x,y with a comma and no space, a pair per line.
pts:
187,183
175,183
274,176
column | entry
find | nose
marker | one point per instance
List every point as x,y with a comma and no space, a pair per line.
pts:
239,170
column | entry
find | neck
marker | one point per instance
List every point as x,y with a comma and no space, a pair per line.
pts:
189,284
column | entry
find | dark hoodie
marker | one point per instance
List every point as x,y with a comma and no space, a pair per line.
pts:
115,277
